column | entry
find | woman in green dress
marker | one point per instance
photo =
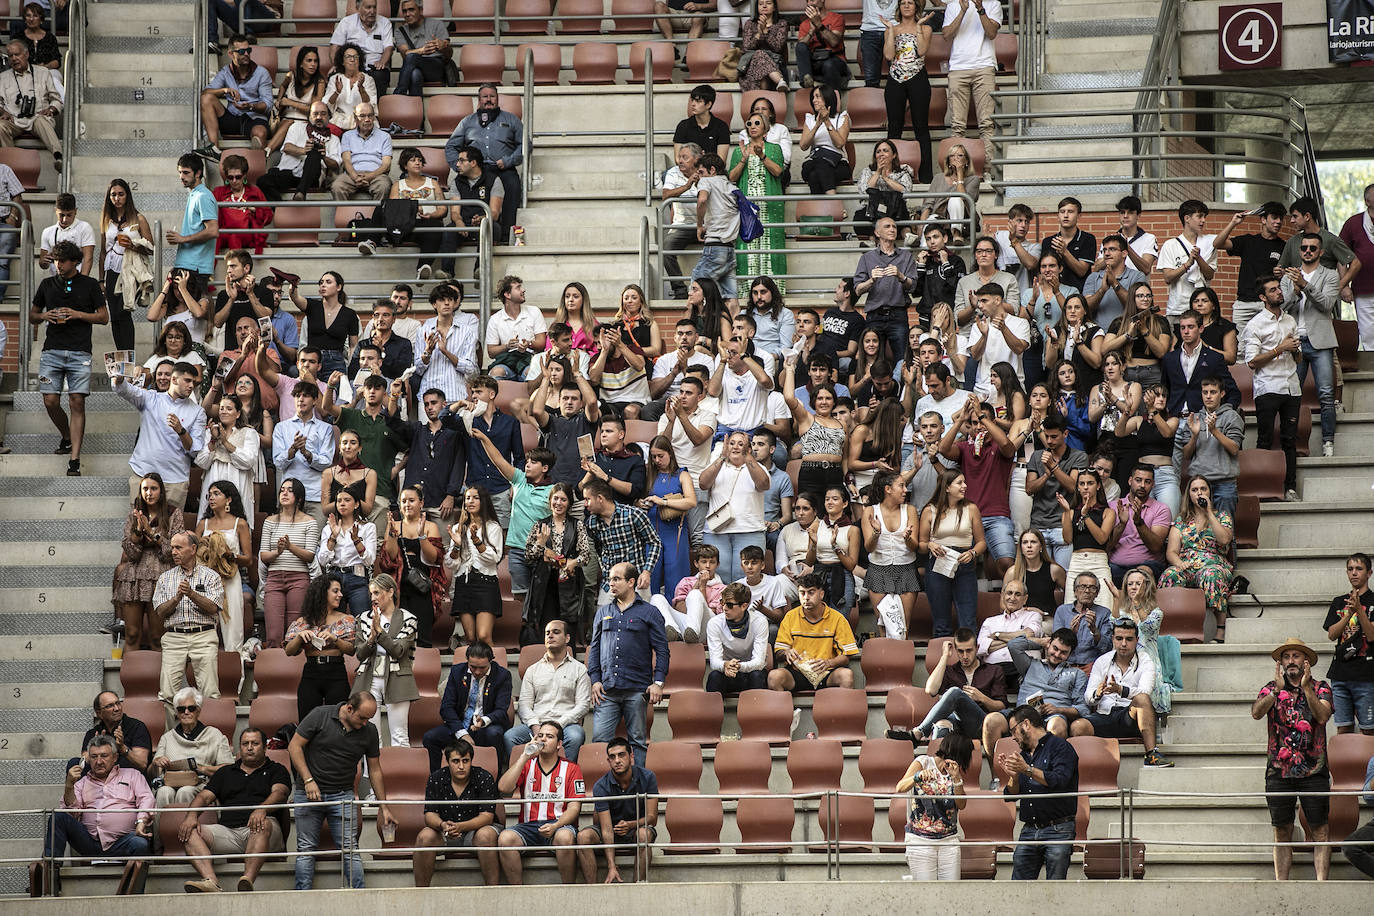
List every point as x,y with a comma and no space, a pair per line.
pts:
755,166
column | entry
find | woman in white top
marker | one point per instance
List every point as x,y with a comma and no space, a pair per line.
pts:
825,134
302,86
348,86
414,184
121,227
230,453
952,533
223,507
477,544
832,549
891,535
734,513
174,343
348,548
385,648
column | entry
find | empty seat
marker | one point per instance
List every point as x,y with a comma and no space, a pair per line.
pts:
325,10
1102,860
818,212
1185,612
695,822
676,765
632,16
662,52
265,56
642,431
765,821
1261,473
852,830
473,17
937,55
228,672
1347,756
271,712
222,713
841,713
580,17
139,672
703,56
887,663
26,165
506,393
591,759
482,63
867,109
1247,521
296,226
743,766
427,668
445,111
985,818
152,712
1244,378
405,110
548,61
765,715
595,63
1007,48
1099,761
882,762
989,606
276,672
906,707
815,765
939,103
532,17
1347,344
686,667
424,715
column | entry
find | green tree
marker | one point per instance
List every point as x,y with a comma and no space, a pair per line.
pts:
1343,183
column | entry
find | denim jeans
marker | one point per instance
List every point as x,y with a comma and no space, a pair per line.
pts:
1166,488
961,591
416,70
892,327
67,830
1054,540
1353,704
343,824
960,709
718,262
573,739
871,46
1224,495
1323,363
9,240
633,706
729,546
1027,860
355,592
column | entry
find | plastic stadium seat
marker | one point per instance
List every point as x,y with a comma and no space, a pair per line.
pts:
1007,48
972,145
595,63
473,17
743,766
934,649
1347,344
841,713
1102,860
867,110
1004,745
424,715
26,165
427,667
445,111
406,770
531,654
677,766
640,431
152,712
750,96
410,820
937,56
592,10
834,209
1261,473
686,668
939,107
985,818
296,226
548,61
815,765
989,606
975,767
271,712
349,210
632,16
222,713
405,110
887,663
591,759
882,762
1185,610
257,167
1346,757
765,715
314,9
1247,521
765,820
482,63
696,715
265,56
910,154
694,821
702,57
139,672
906,707
1245,381
663,60
384,9
854,828
1099,762
508,391
540,9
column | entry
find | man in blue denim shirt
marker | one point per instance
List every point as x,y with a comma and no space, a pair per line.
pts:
628,648
1055,686
1047,764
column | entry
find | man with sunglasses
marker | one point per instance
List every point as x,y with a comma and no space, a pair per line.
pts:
237,101
1311,293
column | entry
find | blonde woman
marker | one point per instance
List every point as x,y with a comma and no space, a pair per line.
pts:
385,648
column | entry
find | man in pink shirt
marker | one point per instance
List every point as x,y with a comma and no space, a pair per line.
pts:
114,813
1142,527
1015,620
1358,233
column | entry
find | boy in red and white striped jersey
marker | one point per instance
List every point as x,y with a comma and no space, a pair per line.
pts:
542,776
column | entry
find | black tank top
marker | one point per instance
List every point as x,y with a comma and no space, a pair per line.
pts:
1083,538
1040,588
1152,443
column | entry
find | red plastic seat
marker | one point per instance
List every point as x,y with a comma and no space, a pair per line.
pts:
696,822
591,759
1099,762
663,60
989,606
26,165
815,765
676,765
749,96
686,667
887,663
482,63
424,715
1261,473
222,713
934,649
473,17
977,154
1347,344
1245,381
1247,521
1346,758
765,715
427,668
271,712
595,63
265,56
314,9
765,821
867,109
152,712
703,56
1102,860
910,154
697,715
539,25
743,766
296,226
445,111
139,673
834,209
906,707
939,106
882,762
1007,48
506,393
853,829
531,654
580,17
984,818
841,713
937,55
548,61
1185,610
632,16
405,110
642,431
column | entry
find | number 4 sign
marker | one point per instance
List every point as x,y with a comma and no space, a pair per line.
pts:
1250,36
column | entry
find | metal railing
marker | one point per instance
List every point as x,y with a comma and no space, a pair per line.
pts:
1161,69
73,84
23,254
200,57
806,247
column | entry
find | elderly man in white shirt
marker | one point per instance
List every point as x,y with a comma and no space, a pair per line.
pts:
171,429
374,35
1015,620
1118,694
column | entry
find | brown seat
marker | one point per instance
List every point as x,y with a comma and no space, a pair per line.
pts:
26,165
696,822
882,762
445,111
1247,521
834,209
486,758
1005,745
531,654
1261,473
410,820
815,765
703,55
405,110
580,17
677,766
228,671
507,391
906,707
765,715
973,146
887,663
139,673
633,16
743,766
1346,758
922,624
383,8
765,821
642,431
296,226
984,818
1102,860
482,63
265,56
939,104
1185,610
841,713
539,10
697,715
314,9
152,712
595,63
427,668
853,829
749,96
275,672
591,759
989,606
473,17
937,55
934,649
975,766
1099,761
424,715
1245,382
910,154
222,713
271,712
548,61
663,60
686,667
867,109
169,829
257,165
1007,48
1347,344
436,166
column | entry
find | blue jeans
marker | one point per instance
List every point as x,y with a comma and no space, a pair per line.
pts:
355,592
729,546
633,706
573,739
1166,488
718,262
343,824
1119,570
332,361
67,830
1224,495
1027,860
1323,363
871,46
1353,702
1054,540
962,591
892,327
519,571
960,709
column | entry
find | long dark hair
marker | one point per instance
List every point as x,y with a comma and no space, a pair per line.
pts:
338,278
940,500
712,309
315,604
1077,392
296,79
232,494
486,512
298,490
108,214
769,284
253,412
162,514
664,444
1100,500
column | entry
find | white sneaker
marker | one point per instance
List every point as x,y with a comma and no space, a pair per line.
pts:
367,246
1290,496
796,720
1328,449
424,273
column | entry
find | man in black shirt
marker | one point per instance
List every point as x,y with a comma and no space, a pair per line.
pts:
1348,625
578,413
701,127
1259,255
459,802
239,297
253,780
69,303
472,180
398,353
842,327
1046,764
621,468
1076,248
436,458
132,741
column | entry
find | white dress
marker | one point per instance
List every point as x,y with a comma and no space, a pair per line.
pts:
231,627
239,467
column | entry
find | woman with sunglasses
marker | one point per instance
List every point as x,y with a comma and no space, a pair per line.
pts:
187,754
756,166
237,190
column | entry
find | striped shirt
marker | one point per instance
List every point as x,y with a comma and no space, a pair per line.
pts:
187,614
304,534
441,372
538,788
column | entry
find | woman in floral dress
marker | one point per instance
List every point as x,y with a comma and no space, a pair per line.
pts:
1136,600
755,166
1197,551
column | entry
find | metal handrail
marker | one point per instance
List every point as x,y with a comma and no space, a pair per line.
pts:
527,129
649,127
644,246
73,82
199,65
27,285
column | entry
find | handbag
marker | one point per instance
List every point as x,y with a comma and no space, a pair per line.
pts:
417,580
721,516
727,70
669,514
885,202
750,225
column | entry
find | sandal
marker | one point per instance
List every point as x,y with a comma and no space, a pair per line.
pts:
1220,637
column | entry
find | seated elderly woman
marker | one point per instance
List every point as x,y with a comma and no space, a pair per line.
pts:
187,754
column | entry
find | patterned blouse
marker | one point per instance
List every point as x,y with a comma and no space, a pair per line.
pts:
345,628
931,818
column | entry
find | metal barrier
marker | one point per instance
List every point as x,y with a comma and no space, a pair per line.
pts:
804,247
73,83
200,56
23,252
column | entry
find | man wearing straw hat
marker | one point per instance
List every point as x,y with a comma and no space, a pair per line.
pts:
1297,707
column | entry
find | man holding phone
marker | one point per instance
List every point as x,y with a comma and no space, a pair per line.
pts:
1271,352
309,154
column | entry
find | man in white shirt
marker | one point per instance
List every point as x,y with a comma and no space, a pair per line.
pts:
970,26
691,426
554,689
1311,292
1271,351
1188,260
1119,694
514,333
671,368
171,431
1017,254
742,386
371,33
997,336
1142,248
679,186
944,397
67,229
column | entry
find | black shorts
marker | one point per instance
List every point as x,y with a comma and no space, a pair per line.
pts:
1115,724
232,125
802,684
1282,808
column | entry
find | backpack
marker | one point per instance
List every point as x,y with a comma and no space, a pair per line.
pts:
750,225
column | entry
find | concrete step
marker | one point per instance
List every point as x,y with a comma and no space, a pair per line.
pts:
74,529
40,443
1107,51
97,423
54,466
20,695
70,507
1211,779
97,400
1221,729
152,122
53,553
1268,629
46,648
21,744
1312,569
1222,833
55,600
60,487
153,20
1238,678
